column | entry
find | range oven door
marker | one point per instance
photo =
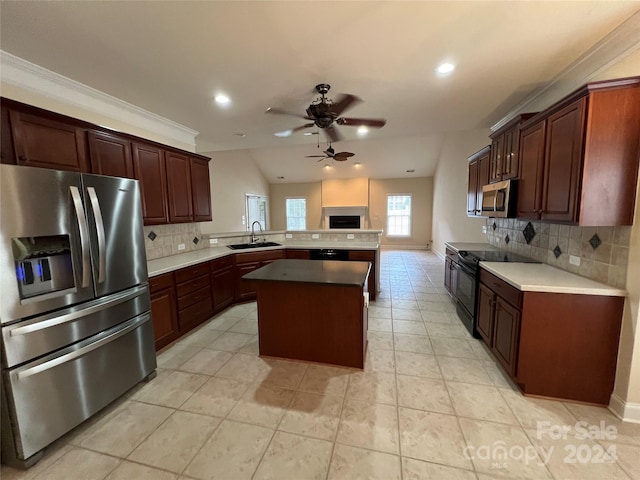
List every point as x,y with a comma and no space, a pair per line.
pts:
466,290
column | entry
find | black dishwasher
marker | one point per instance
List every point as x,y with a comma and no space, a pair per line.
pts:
328,254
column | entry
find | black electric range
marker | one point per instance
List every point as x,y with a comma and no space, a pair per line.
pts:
468,279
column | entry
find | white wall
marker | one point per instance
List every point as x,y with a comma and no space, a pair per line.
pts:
232,174
450,221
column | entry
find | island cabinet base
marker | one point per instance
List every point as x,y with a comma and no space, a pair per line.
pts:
312,322
568,346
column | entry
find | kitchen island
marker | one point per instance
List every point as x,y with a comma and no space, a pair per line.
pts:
313,310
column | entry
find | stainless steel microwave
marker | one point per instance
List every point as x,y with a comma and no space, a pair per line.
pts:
499,199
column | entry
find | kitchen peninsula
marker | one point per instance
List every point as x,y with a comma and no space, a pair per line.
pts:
313,310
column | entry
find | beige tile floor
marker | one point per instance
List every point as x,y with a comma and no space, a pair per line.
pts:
429,392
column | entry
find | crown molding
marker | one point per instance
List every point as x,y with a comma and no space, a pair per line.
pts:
617,44
34,78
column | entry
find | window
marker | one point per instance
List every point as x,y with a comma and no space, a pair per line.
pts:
257,211
296,210
399,215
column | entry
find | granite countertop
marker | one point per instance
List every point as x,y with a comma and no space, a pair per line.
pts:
325,272
457,246
159,266
540,277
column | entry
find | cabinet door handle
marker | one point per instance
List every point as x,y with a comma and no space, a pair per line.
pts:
22,158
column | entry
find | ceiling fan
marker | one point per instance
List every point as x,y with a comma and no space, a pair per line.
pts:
331,153
325,114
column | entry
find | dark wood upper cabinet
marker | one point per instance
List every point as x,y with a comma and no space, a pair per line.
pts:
42,142
579,158
563,153
200,189
504,149
110,155
531,170
479,168
7,153
149,169
179,187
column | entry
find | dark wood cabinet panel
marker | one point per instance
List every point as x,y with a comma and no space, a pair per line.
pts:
222,288
110,155
510,161
296,253
367,256
164,313
531,170
506,330
479,171
484,324
7,153
504,149
245,289
149,169
563,154
200,189
179,195
472,190
495,169
46,143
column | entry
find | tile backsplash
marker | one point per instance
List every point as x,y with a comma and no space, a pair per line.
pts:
163,240
603,251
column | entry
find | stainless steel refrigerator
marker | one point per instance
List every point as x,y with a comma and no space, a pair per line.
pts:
74,305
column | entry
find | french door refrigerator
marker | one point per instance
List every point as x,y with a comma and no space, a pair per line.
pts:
74,308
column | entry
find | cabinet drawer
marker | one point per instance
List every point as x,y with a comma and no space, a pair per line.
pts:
259,256
510,293
220,263
195,314
160,282
193,271
299,254
362,255
192,285
194,297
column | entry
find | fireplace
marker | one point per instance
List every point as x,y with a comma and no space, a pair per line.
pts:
348,217
344,221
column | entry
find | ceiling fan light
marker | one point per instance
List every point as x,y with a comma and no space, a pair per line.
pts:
363,130
445,68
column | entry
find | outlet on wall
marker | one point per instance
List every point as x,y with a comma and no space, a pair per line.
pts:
484,229
315,235
288,235
181,246
350,236
213,241
573,260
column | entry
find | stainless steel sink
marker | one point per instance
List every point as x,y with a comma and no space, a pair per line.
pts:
242,246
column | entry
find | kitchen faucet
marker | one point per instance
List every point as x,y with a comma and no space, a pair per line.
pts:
254,239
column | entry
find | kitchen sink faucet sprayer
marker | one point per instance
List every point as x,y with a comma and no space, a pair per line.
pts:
254,239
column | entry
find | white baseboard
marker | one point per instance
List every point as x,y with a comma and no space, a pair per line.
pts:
626,411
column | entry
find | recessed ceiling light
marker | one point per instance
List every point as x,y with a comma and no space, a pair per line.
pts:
222,99
445,68
284,133
363,130
327,167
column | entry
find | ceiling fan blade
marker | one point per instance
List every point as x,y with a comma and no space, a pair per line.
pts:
343,102
302,127
280,111
362,122
344,154
333,134
323,159
315,156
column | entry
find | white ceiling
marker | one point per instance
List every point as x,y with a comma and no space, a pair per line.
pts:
172,57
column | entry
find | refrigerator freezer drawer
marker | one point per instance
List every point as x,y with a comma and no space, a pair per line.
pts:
38,336
49,397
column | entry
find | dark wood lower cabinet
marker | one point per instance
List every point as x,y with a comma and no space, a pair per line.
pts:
552,344
164,311
222,283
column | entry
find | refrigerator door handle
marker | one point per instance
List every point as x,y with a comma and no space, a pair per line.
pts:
102,259
70,317
84,235
84,350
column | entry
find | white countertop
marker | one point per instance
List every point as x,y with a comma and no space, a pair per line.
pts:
457,246
175,262
540,277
